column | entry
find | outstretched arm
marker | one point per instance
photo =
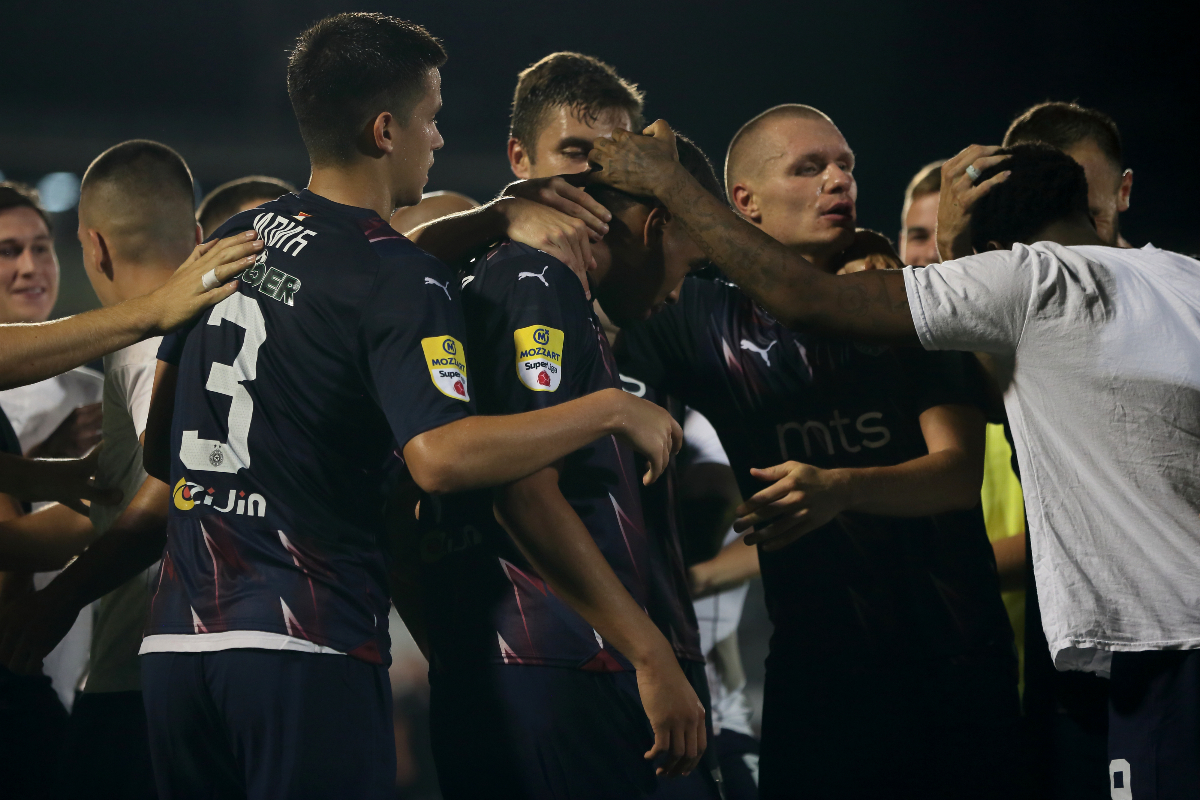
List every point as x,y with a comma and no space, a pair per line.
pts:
62,480
32,627
870,305
44,540
31,352
475,452
555,541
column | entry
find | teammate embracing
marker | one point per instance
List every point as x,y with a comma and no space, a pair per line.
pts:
530,697
264,665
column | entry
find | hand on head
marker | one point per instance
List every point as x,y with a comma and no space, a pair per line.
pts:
959,194
639,165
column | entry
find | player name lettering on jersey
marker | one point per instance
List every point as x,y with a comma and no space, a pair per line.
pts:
447,366
280,232
539,357
271,281
187,495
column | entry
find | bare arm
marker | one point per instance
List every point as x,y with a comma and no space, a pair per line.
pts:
734,565
31,352
44,540
552,537
480,451
63,480
1010,562
865,305
32,628
802,497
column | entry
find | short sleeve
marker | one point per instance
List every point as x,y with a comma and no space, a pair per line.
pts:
662,350
138,389
412,346
534,345
701,439
978,303
170,349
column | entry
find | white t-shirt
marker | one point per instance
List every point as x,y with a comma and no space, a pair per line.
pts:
1104,404
35,411
719,615
121,616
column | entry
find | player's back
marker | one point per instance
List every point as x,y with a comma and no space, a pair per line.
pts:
291,397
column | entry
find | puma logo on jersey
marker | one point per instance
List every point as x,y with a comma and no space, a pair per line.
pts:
443,286
541,276
762,351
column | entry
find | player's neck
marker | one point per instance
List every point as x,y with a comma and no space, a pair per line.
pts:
360,185
136,280
1071,233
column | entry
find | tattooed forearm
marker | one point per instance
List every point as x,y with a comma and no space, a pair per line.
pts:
870,304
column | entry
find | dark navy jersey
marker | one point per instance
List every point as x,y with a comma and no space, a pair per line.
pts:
862,589
534,342
670,601
343,341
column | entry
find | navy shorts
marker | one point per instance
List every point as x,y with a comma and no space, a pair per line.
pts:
538,733
1154,725
269,724
946,730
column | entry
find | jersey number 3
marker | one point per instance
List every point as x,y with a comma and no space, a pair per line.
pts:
208,455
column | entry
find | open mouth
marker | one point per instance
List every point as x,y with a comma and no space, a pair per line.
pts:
839,212
30,293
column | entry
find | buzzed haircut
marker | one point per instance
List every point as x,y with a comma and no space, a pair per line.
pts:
19,195
927,181
1046,186
585,85
143,193
736,157
350,67
691,157
1064,125
227,199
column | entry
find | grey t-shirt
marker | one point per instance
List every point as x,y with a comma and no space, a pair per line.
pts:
1103,345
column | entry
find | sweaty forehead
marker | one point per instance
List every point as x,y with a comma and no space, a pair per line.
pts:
567,122
780,142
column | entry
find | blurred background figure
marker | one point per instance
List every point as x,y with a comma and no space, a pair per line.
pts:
236,196
55,418
918,218
1092,139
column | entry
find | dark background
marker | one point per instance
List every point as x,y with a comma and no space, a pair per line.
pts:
906,82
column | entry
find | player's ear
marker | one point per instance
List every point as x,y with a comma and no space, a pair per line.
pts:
101,256
744,202
656,220
379,136
519,159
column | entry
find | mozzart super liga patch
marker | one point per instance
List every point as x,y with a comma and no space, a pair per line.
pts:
447,365
539,357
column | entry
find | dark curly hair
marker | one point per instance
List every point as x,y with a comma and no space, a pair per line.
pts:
1046,186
